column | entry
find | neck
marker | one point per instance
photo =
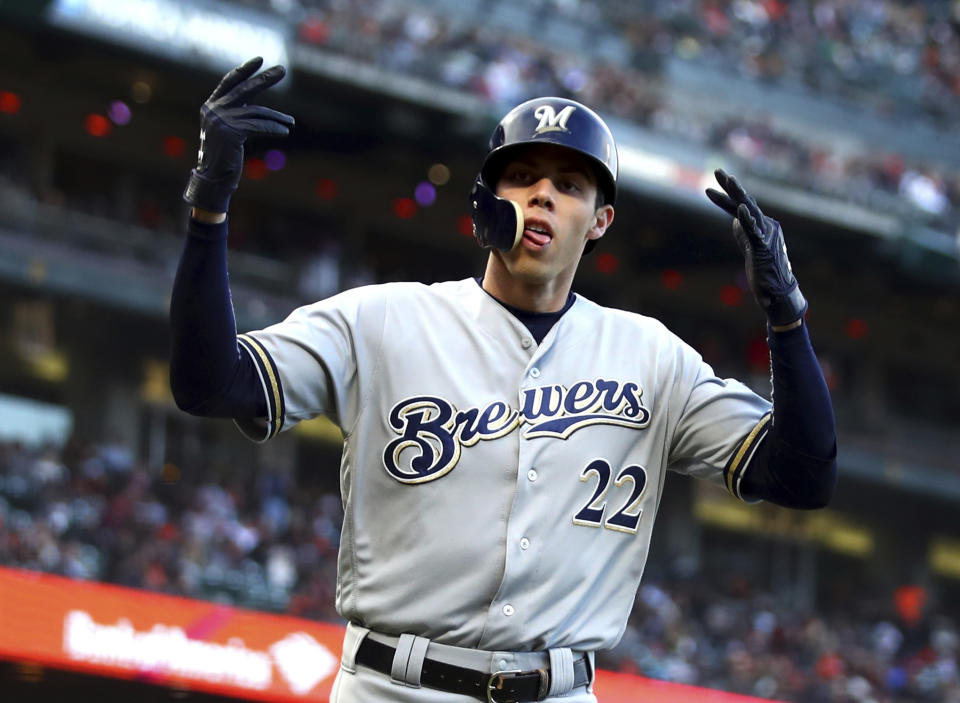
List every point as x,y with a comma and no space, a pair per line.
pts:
534,296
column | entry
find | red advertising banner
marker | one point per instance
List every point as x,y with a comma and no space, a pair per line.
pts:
611,687
122,632
200,645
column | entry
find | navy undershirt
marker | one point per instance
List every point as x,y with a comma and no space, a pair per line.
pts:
208,374
538,323
796,464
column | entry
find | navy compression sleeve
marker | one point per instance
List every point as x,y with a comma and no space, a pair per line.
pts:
208,374
795,465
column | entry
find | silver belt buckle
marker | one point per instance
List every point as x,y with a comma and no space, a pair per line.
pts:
492,687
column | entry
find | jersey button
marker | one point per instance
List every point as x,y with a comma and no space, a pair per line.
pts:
508,610
524,543
532,475
526,342
535,372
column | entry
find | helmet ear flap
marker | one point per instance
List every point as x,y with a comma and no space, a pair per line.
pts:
497,222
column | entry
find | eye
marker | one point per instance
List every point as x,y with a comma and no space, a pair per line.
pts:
517,174
568,185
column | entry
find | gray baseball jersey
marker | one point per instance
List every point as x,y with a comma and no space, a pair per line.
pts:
499,494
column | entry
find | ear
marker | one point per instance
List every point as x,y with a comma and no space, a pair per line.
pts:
602,219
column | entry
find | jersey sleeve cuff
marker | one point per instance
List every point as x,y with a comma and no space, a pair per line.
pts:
737,467
262,429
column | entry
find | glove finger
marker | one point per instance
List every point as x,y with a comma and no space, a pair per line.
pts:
722,201
731,185
755,210
260,112
737,193
252,86
741,238
236,76
749,224
742,196
261,128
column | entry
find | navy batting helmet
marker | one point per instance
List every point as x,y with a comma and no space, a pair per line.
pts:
498,222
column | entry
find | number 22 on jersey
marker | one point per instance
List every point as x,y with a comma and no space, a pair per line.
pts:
627,517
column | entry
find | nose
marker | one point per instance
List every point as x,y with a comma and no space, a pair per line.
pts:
541,194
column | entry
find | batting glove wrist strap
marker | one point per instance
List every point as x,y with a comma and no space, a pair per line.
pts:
207,193
764,250
787,309
226,122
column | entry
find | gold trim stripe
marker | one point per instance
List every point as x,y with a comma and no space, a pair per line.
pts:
266,363
257,358
262,377
734,466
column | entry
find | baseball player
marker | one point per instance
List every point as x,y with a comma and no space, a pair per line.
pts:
505,439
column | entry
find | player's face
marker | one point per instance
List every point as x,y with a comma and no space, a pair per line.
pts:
557,192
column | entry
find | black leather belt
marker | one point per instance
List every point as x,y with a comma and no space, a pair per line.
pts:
499,687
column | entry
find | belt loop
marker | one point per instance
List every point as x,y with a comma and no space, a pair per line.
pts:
408,660
561,671
418,652
351,643
398,674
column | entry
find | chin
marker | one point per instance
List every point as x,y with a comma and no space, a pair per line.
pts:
529,270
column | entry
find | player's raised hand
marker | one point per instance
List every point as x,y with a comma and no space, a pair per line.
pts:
226,122
761,241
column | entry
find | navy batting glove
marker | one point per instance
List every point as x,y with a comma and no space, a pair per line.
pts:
226,122
761,242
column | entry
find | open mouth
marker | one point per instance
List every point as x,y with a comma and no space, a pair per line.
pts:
537,234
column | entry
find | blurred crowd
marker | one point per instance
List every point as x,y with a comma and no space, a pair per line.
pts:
893,56
91,511
727,635
886,56
889,55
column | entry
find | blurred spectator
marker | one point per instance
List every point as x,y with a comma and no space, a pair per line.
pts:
747,642
92,517
320,274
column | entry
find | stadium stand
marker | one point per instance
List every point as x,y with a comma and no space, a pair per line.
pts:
262,533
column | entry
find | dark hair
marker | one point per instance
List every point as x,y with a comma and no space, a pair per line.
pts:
601,200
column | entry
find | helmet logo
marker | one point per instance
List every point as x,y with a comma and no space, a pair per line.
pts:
550,121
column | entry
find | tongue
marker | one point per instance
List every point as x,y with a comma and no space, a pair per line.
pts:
538,237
